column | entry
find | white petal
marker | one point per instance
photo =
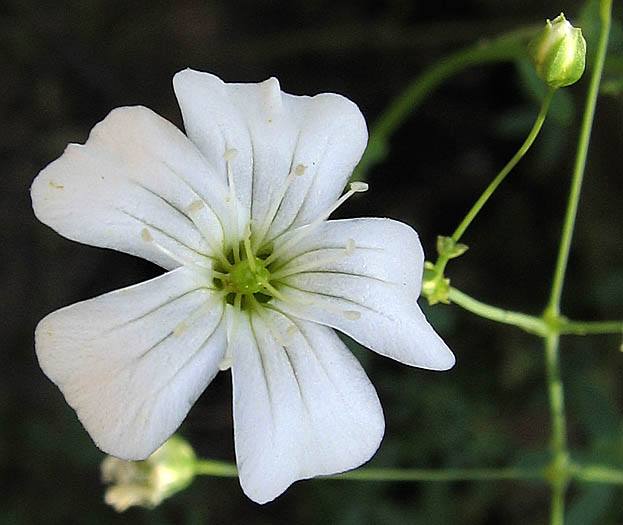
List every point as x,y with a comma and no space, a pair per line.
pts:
380,281
132,362
273,133
135,171
303,406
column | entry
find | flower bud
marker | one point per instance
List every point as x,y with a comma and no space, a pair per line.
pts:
558,53
146,483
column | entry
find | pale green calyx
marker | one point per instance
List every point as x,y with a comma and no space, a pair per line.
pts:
558,53
146,483
448,247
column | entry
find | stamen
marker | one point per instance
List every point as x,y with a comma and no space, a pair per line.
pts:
292,269
230,154
355,187
351,315
194,208
274,208
197,266
274,292
233,199
271,326
247,247
232,335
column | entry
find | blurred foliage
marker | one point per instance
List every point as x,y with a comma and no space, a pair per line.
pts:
65,65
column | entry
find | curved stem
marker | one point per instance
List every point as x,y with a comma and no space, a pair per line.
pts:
484,197
538,123
529,323
504,48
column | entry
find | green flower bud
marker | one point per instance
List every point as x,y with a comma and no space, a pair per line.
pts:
449,248
146,483
435,286
558,53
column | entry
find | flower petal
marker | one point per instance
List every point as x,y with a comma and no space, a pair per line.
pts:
370,295
135,171
303,406
132,362
273,133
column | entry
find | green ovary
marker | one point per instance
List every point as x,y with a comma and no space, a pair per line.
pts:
245,280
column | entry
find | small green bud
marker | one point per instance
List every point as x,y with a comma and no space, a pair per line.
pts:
435,287
146,483
449,248
558,53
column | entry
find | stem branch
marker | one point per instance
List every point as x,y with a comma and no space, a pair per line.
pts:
580,161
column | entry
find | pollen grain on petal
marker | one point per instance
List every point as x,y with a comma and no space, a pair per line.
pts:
350,246
196,207
146,236
299,170
179,330
230,154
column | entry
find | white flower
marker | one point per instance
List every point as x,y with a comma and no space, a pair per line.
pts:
237,213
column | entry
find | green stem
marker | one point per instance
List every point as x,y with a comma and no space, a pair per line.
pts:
506,169
456,474
559,467
590,327
208,467
212,467
589,473
598,474
560,472
580,161
504,48
530,323
484,197
556,394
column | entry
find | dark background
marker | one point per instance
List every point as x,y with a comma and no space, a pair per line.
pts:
65,65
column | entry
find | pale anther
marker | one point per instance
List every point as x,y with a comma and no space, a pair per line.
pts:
179,329
299,170
350,246
359,186
225,364
230,154
195,207
146,236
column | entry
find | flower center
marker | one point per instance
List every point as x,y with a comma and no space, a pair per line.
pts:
248,276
